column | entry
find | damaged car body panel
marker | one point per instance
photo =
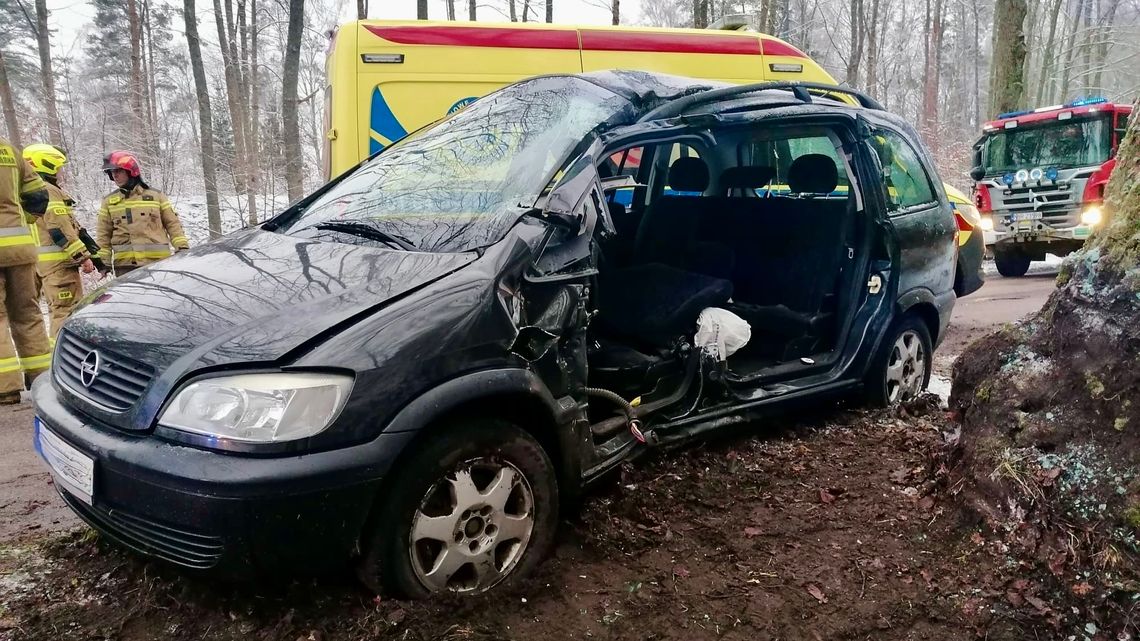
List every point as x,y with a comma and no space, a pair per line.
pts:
418,364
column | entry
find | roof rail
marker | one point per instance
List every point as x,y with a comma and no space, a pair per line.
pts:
801,90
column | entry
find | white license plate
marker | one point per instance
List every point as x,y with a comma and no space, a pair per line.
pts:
1027,215
72,469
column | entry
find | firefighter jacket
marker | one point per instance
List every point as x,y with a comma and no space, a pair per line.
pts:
58,234
137,228
23,196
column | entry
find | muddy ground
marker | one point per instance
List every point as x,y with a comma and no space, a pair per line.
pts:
835,526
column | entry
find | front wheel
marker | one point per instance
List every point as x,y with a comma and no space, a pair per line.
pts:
901,370
1011,263
471,510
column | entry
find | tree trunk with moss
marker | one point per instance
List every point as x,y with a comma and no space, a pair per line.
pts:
1007,73
1049,410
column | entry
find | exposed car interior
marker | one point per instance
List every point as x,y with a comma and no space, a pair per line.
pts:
764,223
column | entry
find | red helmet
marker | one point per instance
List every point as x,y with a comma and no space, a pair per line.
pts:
124,160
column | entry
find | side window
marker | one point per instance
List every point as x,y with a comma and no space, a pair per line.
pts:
622,163
907,182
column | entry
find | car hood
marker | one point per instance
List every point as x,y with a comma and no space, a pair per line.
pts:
252,297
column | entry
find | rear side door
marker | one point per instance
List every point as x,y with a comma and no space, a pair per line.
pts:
921,217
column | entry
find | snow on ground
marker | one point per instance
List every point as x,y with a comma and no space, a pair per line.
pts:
192,212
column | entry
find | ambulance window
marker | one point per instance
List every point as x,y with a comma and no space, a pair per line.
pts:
907,182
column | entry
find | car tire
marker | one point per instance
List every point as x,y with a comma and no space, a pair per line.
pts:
1011,264
901,369
474,508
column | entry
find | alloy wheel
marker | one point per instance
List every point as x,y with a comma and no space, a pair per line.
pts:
472,527
906,368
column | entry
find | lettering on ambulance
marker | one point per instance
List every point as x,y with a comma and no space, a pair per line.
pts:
461,103
384,127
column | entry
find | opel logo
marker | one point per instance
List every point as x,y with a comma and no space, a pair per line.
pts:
89,368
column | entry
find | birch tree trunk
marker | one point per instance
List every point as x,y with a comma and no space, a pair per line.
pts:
47,75
292,133
205,120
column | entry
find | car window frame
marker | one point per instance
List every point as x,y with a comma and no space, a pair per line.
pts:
922,164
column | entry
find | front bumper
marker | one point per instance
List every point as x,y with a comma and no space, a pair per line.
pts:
1077,234
232,515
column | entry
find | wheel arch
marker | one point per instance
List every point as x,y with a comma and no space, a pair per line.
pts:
923,304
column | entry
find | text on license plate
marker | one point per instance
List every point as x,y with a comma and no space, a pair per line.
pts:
1027,215
72,469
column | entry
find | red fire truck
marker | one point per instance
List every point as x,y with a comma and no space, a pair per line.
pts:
1039,178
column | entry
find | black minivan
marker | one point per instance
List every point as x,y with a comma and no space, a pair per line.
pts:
414,367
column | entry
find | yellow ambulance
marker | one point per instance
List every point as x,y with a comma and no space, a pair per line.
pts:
388,78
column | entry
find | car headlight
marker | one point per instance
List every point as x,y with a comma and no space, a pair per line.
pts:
987,223
258,408
1091,216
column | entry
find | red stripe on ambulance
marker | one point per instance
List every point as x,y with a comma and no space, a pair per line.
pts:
668,42
479,37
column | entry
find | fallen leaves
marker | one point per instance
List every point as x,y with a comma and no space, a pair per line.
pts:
816,592
752,532
1081,589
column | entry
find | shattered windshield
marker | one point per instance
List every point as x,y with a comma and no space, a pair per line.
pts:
461,184
1058,143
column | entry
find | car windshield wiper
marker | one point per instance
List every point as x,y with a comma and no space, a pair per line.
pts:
364,230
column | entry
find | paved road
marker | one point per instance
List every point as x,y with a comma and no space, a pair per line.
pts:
999,301
29,505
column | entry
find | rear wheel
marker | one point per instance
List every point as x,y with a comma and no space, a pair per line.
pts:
901,370
473,509
1011,263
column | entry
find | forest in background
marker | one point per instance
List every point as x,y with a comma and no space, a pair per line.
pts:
225,109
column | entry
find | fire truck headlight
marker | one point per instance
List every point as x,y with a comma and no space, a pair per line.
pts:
1091,216
987,223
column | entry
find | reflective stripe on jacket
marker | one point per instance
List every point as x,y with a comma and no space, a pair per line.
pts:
138,228
17,180
54,250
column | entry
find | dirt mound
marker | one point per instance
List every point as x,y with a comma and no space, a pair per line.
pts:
1049,447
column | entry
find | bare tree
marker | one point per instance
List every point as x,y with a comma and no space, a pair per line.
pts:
550,10
933,71
205,120
421,9
291,133
47,76
855,50
362,10
9,104
450,9
471,10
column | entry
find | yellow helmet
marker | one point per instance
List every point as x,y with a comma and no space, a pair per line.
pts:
45,159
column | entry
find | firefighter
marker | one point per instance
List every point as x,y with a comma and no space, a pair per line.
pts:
22,195
137,225
61,250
